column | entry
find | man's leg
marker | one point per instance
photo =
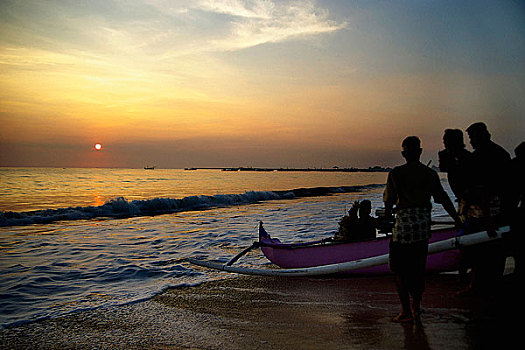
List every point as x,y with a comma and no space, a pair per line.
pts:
402,291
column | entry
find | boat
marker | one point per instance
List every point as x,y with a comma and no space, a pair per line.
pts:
290,256
324,257
149,167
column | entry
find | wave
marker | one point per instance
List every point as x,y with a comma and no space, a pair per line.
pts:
38,315
122,208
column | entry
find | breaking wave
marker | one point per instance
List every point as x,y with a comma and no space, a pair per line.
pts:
123,208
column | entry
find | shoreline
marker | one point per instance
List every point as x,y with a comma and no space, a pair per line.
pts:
371,169
250,312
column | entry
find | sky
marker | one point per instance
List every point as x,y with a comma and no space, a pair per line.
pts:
258,83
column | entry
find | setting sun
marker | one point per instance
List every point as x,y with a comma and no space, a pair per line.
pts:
271,83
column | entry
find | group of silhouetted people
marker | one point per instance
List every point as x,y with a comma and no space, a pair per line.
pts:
358,225
488,185
489,188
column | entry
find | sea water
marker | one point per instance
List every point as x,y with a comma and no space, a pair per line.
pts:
77,239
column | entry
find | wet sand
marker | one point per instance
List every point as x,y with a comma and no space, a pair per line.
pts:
277,313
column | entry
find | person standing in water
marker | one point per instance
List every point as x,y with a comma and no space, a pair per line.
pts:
409,188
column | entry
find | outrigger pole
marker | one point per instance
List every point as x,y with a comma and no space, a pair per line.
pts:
448,244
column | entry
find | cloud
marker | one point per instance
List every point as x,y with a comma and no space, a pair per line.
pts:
285,22
243,24
261,9
152,30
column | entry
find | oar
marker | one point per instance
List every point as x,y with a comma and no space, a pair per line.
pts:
238,256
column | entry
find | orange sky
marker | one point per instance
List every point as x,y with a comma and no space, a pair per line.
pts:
253,83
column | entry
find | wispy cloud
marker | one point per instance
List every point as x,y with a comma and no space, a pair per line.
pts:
261,9
136,54
282,22
248,23
159,29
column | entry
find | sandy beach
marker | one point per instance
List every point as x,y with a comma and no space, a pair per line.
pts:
276,313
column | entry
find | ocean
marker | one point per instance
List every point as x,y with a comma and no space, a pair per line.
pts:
78,239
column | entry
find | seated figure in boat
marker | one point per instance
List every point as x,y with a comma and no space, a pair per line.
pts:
354,227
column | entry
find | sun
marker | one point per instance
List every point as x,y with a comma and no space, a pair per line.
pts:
97,146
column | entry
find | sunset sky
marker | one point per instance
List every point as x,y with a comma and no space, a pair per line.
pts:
253,83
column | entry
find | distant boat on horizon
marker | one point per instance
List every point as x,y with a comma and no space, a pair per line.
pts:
147,167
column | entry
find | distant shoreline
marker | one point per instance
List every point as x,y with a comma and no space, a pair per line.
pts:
334,169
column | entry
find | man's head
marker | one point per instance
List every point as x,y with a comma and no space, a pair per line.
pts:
478,135
453,139
365,208
411,148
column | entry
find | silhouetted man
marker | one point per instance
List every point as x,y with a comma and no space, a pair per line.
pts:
455,160
410,187
487,204
490,170
517,239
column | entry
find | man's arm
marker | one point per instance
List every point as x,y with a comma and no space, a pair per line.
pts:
451,210
389,196
441,197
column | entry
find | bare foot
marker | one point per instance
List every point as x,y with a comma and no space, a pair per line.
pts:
403,318
417,315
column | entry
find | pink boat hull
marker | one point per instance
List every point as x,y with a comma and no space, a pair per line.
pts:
290,256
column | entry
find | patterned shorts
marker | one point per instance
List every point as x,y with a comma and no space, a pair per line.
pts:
412,225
